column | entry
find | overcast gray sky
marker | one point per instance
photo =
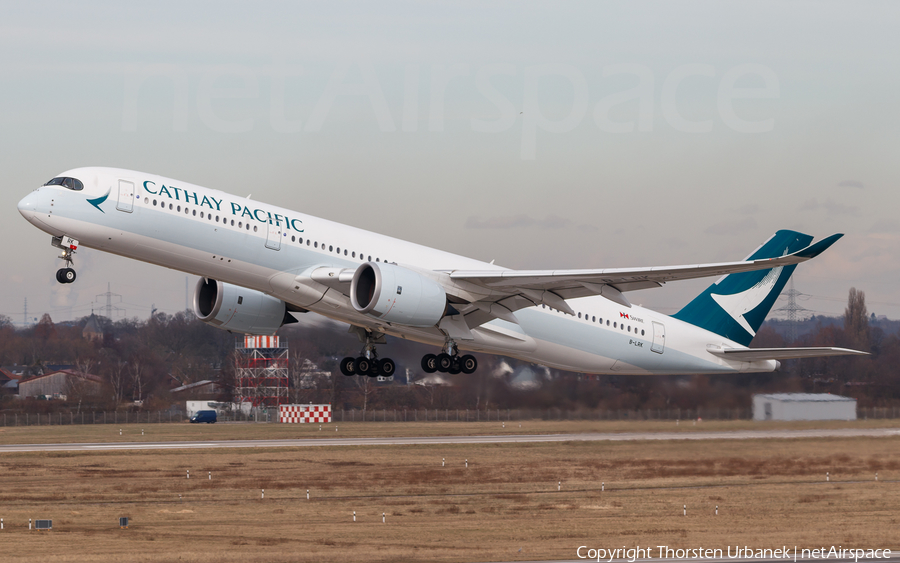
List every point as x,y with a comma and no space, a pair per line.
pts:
539,135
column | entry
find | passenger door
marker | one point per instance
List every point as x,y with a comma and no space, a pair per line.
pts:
659,338
273,236
126,196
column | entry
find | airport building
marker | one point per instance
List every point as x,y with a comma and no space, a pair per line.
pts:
803,406
60,384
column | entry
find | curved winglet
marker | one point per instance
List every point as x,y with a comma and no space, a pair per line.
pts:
814,250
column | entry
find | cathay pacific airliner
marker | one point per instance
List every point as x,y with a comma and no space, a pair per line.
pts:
261,266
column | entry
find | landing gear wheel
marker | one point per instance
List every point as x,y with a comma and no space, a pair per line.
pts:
454,367
444,361
348,366
386,367
468,364
363,366
65,275
429,363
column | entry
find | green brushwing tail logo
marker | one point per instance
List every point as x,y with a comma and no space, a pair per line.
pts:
736,306
96,202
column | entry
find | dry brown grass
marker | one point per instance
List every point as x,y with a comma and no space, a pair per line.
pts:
769,492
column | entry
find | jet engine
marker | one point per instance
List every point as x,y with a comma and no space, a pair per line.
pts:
238,309
398,295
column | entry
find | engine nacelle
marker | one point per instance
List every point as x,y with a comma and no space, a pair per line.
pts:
397,295
238,309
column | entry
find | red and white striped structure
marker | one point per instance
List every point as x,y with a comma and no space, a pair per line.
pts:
261,342
262,370
304,413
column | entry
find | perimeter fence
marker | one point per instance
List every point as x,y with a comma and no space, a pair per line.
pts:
63,418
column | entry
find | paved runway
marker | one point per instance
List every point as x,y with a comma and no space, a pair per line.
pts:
497,439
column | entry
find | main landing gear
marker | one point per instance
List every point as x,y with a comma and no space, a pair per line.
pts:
68,246
373,367
449,361
368,363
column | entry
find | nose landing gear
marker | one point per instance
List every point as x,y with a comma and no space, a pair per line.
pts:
68,246
65,275
449,361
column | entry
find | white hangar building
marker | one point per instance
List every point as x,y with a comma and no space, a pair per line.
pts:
803,406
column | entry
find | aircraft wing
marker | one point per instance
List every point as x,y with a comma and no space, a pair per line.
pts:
484,295
756,354
552,287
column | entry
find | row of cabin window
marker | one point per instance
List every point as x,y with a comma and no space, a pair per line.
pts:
203,215
593,319
331,248
240,225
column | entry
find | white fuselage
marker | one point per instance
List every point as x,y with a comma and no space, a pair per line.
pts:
251,244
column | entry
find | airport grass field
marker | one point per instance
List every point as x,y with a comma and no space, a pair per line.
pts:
532,501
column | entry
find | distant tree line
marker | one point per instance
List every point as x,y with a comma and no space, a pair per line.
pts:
139,361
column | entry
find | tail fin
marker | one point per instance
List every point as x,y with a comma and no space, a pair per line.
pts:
737,304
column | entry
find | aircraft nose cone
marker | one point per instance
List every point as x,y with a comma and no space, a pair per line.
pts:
28,205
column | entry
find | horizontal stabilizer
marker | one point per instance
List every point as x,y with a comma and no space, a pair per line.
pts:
759,354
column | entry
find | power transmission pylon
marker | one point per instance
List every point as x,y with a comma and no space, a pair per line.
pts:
792,310
109,308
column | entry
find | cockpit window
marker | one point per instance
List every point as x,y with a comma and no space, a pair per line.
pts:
71,183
